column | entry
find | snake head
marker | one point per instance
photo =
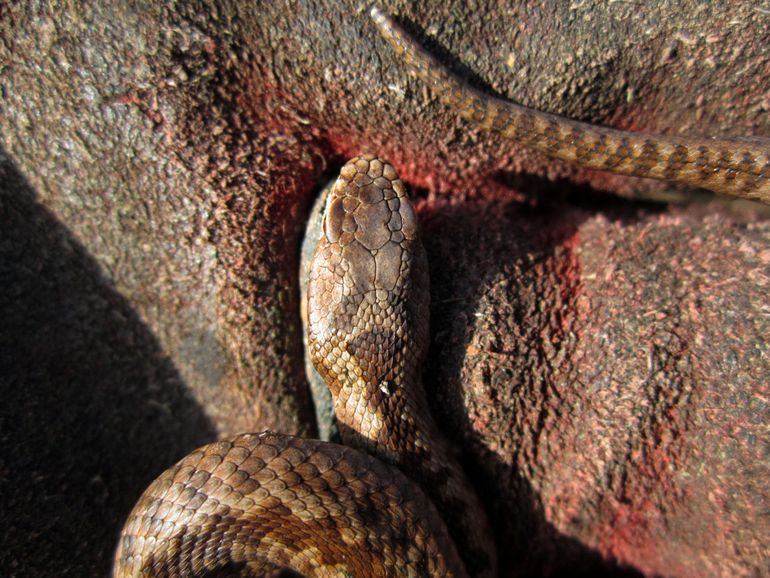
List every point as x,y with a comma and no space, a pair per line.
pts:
368,288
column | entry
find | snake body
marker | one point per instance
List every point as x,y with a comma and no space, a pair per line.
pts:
368,309
734,166
259,502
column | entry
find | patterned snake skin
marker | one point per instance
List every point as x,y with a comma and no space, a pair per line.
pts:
732,166
256,503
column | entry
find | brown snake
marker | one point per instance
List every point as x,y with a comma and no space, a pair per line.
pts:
734,166
259,502
266,501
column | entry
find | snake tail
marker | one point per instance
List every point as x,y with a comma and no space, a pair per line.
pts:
736,166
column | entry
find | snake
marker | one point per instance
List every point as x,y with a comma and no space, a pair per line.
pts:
392,499
369,506
735,166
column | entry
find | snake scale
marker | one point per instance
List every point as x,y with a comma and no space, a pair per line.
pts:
260,502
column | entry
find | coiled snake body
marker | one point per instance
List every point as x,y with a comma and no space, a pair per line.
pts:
737,166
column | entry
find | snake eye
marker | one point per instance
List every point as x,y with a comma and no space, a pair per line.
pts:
409,222
333,220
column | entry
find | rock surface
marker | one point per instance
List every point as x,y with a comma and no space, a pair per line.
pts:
604,364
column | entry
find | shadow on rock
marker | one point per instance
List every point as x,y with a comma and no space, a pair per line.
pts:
92,409
502,287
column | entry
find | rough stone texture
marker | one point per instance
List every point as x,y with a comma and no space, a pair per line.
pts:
610,372
158,164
